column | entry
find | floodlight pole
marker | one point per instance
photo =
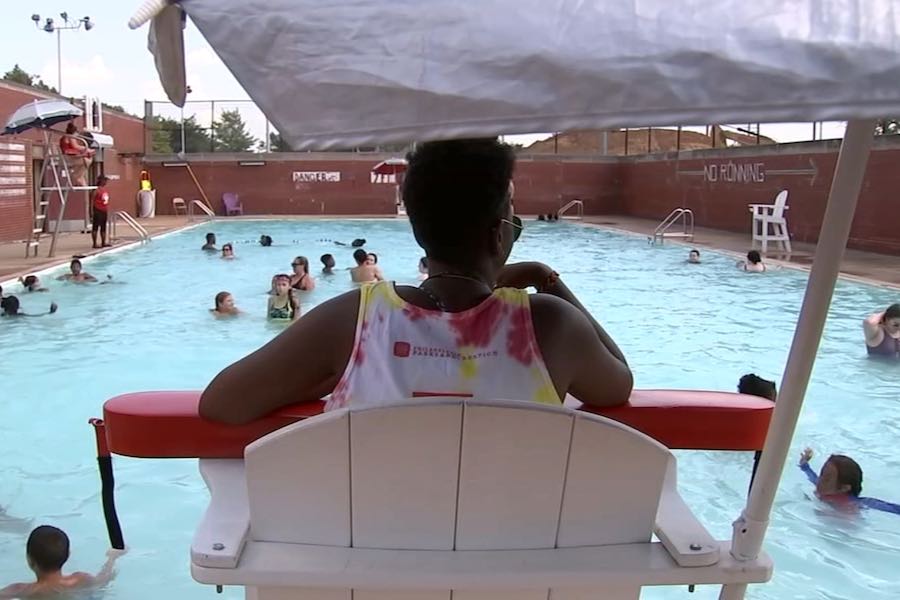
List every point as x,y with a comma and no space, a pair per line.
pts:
750,528
49,26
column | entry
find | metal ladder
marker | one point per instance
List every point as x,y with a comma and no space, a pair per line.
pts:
685,216
121,215
572,203
55,162
203,208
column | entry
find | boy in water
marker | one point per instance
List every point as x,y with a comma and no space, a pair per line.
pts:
328,264
364,271
210,245
46,551
76,273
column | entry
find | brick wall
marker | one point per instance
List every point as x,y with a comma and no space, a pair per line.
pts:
16,189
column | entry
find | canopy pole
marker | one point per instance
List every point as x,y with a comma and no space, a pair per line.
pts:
750,528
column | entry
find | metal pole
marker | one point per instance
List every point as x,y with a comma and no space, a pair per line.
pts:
268,143
750,528
678,140
59,59
182,130
626,141
212,125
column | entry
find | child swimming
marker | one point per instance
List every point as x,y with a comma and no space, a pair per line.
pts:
225,307
283,305
839,483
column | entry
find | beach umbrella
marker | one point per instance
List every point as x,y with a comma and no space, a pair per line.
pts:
41,114
391,166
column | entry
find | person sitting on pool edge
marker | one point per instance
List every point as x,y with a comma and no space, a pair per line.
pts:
32,284
365,271
883,333
328,264
283,305
540,347
694,257
225,307
301,279
46,551
76,274
839,483
10,308
753,264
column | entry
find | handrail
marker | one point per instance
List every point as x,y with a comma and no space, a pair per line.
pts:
686,216
570,204
202,206
131,222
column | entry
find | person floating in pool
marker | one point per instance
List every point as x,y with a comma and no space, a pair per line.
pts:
210,245
753,264
76,273
839,483
283,305
265,240
225,307
46,551
227,251
883,333
31,283
694,257
10,308
365,271
301,279
328,264
470,329
423,268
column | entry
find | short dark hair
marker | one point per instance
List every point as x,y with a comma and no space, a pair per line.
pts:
374,256
358,243
265,240
10,305
892,312
360,256
30,280
454,192
754,257
210,236
220,298
102,179
74,262
48,548
754,385
694,251
326,258
848,472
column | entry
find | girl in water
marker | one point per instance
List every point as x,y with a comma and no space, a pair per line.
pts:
224,306
883,333
839,483
283,305
301,279
753,264
227,251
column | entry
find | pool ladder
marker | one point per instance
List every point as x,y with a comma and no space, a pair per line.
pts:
121,215
203,209
578,204
685,217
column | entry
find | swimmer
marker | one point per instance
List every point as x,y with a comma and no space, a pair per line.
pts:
364,272
265,240
46,551
542,217
328,264
76,273
371,258
754,385
753,264
694,257
301,279
423,268
227,251
883,333
839,483
210,245
283,305
10,308
224,306
358,243
32,284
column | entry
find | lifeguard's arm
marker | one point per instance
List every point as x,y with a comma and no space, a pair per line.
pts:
301,364
872,328
876,504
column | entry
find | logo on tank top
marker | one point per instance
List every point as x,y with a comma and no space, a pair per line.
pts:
402,349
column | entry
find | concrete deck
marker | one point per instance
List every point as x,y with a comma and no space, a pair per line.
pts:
864,266
869,267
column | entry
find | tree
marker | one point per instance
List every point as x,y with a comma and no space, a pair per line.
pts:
230,133
166,136
278,143
20,75
887,127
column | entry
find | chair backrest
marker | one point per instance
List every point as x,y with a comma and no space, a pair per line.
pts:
453,474
178,202
231,200
779,206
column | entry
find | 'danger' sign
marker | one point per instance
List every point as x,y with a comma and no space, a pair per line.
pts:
316,177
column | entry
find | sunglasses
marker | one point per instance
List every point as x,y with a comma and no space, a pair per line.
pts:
517,226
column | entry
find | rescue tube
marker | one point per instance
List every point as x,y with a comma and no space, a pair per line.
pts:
168,424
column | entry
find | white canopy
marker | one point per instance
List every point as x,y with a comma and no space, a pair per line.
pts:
354,72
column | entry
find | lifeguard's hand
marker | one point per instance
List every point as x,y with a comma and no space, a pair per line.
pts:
806,456
523,275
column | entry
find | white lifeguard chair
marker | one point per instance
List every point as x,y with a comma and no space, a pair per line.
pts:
485,499
770,224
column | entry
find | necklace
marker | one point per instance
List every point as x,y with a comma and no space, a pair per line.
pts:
437,301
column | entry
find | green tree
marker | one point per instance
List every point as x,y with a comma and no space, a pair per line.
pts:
230,133
276,144
887,127
166,136
20,75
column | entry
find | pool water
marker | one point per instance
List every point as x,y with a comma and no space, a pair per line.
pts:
681,326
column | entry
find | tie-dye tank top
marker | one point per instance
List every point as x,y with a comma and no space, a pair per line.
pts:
404,351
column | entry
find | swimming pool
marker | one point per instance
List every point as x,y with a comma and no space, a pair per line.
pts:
688,326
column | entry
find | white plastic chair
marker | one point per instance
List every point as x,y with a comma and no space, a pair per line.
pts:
766,215
179,204
485,499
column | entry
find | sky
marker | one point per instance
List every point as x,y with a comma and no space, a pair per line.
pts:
112,62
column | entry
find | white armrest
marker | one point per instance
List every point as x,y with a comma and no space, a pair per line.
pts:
684,537
222,533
